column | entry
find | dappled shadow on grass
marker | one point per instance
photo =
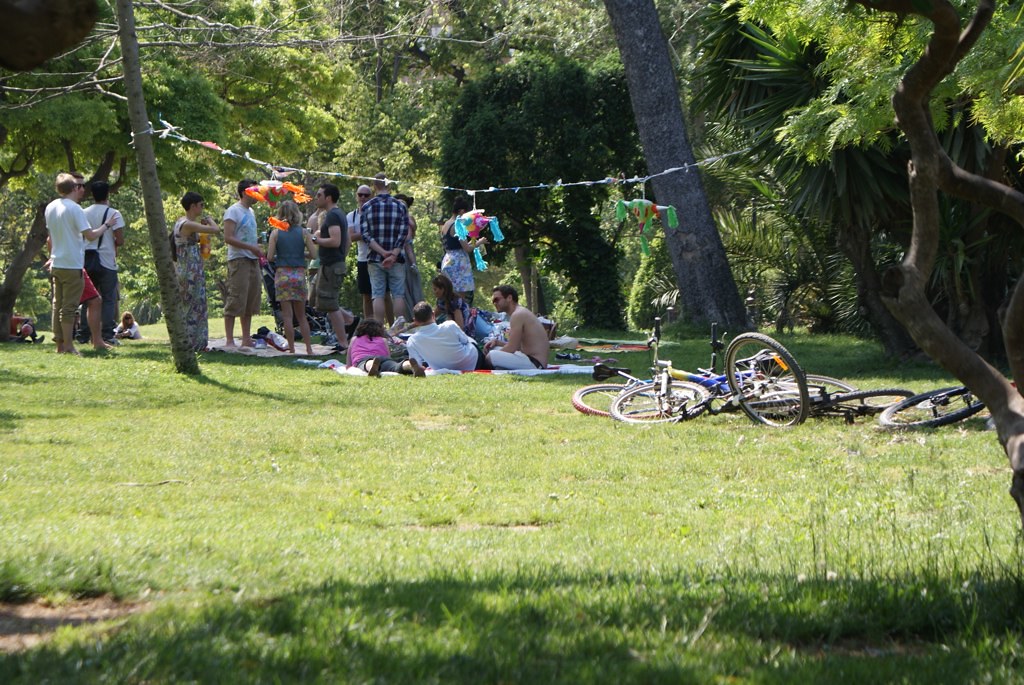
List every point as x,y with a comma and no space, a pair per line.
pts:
554,626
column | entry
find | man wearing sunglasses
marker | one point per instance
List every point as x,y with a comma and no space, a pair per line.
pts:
363,193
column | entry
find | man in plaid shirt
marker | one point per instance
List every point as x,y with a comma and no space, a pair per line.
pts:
384,224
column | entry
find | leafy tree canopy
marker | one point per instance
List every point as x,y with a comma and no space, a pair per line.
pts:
865,54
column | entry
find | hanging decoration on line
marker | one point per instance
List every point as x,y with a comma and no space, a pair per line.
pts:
470,224
273,192
644,210
279,224
278,171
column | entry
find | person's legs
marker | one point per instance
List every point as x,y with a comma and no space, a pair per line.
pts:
68,287
229,330
109,293
378,287
253,293
396,283
287,312
389,308
365,290
509,360
234,305
300,312
105,281
94,314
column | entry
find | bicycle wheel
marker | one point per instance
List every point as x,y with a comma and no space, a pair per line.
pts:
935,408
596,399
646,404
766,381
864,402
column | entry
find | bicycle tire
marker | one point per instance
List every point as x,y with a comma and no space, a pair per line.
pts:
596,399
766,381
864,402
932,409
644,404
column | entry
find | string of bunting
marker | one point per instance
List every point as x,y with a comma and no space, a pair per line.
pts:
280,171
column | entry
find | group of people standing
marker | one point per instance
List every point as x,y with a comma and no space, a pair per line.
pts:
450,334
380,223
83,247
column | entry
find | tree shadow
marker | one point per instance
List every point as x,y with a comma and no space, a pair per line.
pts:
554,626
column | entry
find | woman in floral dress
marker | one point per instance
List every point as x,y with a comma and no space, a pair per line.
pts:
191,273
456,264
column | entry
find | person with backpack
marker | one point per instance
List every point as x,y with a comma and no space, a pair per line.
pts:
189,260
101,260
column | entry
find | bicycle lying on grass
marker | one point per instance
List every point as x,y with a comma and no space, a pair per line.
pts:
757,363
932,409
761,378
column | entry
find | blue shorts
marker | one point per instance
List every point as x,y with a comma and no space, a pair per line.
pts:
382,279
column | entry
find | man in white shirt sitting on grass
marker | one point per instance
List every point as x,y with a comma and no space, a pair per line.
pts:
442,346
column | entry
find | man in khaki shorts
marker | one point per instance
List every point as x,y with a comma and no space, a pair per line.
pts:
244,253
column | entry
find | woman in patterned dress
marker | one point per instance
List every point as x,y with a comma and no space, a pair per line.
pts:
289,248
456,264
189,264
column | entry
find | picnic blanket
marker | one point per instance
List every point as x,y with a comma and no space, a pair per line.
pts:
612,347
217,345
554,370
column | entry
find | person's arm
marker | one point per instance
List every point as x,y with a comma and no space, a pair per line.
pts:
118,229
457,318
272,246
94,233
310,247
471,244
333,238
205,225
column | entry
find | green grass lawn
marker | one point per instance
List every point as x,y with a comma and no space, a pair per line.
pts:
283,523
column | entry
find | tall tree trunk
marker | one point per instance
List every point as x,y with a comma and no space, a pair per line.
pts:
14,276
855,243
707,291
184,357
931,170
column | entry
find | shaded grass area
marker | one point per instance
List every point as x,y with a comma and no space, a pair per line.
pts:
288,524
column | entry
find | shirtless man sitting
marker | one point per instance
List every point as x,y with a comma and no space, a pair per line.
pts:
527,346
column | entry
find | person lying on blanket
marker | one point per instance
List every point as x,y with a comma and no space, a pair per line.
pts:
442,346
527,346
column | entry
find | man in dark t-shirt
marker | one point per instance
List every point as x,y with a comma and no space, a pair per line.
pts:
332,243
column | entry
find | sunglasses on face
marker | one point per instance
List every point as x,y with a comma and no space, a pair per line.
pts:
362,195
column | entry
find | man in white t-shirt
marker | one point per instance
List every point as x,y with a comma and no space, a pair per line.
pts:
442,346
244,252
101,259
68,230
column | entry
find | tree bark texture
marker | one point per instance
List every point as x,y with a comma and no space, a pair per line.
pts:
931,171
707,290
14,276
184,357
